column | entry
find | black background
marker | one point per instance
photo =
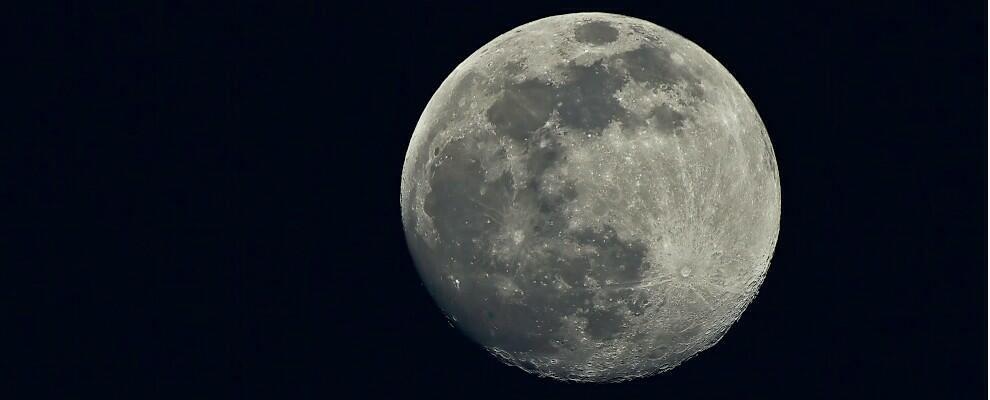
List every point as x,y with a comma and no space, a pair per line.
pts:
203,201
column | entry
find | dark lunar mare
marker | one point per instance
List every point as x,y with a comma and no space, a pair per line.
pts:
530,323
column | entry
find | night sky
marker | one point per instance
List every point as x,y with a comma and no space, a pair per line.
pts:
203,201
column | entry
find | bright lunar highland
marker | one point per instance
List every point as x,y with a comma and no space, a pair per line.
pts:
591,197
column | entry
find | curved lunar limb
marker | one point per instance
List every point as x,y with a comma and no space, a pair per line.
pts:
591,197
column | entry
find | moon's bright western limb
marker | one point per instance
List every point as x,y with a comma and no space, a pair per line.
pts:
591,197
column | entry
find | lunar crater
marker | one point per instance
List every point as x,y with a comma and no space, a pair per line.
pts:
596,33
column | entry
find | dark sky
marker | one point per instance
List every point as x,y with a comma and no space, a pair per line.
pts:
203,201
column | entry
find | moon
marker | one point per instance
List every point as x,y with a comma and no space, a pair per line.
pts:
591,197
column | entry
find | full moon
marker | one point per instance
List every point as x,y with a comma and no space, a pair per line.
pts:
591,197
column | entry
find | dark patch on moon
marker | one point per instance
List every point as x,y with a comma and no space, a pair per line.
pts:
458,210
596,33
527,321
666,119
454,106
518,327
523,108
588,99
654,66
615,260
604,324
646,65
464,216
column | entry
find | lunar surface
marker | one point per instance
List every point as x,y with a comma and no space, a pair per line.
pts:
591,197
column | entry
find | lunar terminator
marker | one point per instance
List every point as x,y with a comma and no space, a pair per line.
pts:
591,197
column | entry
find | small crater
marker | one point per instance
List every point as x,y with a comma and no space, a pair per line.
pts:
596,33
